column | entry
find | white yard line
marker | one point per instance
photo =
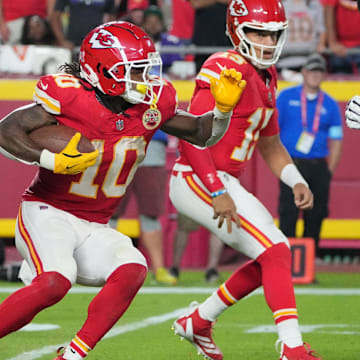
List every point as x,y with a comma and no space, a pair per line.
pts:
203,290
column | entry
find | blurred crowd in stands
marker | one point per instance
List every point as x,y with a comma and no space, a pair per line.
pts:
325,26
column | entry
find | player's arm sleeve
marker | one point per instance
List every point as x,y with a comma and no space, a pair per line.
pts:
203,165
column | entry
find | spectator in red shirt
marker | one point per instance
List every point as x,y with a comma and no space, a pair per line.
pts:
132,10
343,33
182,25
13,14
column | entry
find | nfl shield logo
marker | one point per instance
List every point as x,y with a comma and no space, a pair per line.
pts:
119,124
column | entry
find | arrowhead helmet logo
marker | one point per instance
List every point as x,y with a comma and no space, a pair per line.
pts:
104,39
238,8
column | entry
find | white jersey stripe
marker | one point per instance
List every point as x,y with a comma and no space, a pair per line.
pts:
210,73
51,105
203,78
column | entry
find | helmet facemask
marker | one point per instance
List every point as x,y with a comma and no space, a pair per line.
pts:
139,91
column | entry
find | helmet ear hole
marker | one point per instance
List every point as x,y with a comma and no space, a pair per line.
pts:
117,89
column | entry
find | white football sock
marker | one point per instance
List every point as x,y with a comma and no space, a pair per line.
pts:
212,307
289,333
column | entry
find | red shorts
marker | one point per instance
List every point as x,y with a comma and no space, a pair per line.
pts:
148,187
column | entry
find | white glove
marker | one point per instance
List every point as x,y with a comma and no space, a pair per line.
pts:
352,113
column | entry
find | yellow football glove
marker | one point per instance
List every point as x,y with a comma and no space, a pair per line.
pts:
69,161
227,90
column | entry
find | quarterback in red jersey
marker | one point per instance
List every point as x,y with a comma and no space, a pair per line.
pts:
110,97
208,180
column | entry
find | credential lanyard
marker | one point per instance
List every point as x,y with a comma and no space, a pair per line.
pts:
319,103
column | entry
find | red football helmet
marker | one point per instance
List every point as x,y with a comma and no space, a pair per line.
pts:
111,52
267,15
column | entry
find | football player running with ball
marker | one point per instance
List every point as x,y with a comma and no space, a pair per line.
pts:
62,233
208,180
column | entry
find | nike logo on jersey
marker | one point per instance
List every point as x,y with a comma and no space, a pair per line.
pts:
44,86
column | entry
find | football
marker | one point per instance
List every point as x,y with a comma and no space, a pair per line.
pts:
55,137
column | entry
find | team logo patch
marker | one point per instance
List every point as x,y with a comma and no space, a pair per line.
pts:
238,8
104,39
151,118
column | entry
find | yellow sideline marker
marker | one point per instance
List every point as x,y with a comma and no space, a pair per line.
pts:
332,228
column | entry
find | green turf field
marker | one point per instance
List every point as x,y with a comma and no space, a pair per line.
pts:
329,315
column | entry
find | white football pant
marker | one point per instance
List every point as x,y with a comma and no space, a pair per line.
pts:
258,231
85,252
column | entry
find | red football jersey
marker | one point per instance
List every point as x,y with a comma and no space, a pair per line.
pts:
255,115
121,140
15,9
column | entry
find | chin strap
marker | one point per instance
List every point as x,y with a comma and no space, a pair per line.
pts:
133,96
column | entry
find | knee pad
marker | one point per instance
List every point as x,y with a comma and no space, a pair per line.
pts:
149,223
